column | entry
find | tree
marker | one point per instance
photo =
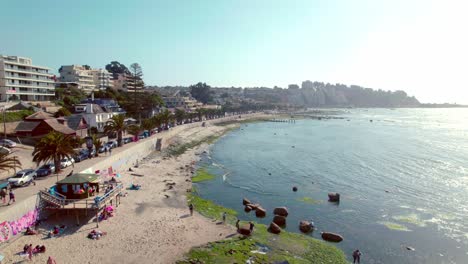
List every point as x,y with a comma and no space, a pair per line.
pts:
54,147
8,162
134,130
97,144
117,68
62,112
179,115
135,81
87,67
116,124
147,124
165,118
202,92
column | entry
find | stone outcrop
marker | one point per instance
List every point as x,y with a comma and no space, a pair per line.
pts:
279,220
305,226
274,228
245,201
260,212
283,211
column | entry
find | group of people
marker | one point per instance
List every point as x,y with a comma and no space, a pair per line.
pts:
3,194
56,231
28,249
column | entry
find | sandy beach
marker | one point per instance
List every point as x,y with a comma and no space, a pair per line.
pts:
151,225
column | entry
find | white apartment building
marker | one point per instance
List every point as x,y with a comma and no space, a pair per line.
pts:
85,78
79,75
102,79
21,80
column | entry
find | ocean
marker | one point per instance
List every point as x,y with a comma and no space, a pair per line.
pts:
403,179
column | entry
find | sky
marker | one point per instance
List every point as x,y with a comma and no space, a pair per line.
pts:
419,46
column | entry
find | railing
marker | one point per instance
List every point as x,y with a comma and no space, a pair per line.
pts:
61,201
57,199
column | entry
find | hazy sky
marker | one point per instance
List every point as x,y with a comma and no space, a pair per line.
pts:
420,46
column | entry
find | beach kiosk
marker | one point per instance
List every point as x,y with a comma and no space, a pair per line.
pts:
76,186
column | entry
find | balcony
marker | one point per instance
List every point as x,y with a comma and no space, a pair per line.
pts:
28,72
25,78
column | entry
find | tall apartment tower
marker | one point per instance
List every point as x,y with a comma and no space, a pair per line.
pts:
21,80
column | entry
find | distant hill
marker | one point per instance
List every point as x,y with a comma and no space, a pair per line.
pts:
310,94
319,94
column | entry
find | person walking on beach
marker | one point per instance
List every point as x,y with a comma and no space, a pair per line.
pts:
12,197
224,217
51,260
3,194
191,209
237,224
30,252
251,226
357,256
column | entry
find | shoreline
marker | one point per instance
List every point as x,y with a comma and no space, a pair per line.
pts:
153,222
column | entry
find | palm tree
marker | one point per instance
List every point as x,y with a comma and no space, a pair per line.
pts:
134,130
156,120
54,147
147,124
7,162
200,113
180,115
116,124
166,117
97,144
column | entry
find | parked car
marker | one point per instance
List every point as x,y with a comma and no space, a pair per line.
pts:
22,177
7,143
111,144
66,162
127,140
45,170
102,149
83,154
4,150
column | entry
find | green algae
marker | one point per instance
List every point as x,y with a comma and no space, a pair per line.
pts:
411,219
295,248
395,226
202,175
308,200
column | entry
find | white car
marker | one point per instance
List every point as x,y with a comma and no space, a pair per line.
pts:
5,150
7,143
66,162
22,177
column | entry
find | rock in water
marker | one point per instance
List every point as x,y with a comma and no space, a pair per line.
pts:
294,189
244,231
260,212
332,237
279,220
247,208
274,228
254,206
245,201
333,197
305,226
283,211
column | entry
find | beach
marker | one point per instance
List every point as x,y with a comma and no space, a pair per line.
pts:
151,225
